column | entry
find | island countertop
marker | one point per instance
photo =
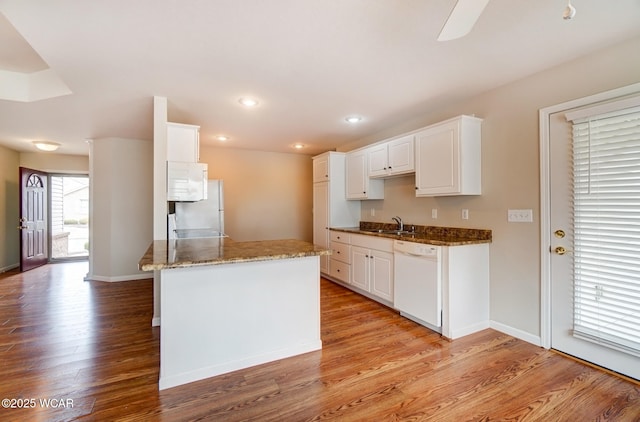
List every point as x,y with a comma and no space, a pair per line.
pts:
182,253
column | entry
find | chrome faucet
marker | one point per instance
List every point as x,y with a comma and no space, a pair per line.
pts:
399,221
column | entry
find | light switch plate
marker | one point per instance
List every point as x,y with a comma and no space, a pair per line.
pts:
520,216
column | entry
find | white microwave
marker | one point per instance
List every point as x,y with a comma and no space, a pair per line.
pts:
186,181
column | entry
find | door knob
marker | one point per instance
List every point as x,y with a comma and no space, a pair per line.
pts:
23,220
559,233
22,227
561,250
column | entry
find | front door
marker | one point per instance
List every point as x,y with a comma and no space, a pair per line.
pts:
580,253
34,247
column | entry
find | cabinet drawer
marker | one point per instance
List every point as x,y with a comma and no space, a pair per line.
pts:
339,270
341,252
340,237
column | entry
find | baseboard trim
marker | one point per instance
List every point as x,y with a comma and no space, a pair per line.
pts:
514,332
132,277
9,268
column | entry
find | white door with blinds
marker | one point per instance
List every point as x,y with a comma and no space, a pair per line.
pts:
594,197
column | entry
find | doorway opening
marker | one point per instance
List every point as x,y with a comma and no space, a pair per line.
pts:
69,205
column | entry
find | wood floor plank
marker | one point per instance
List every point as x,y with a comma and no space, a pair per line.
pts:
92,343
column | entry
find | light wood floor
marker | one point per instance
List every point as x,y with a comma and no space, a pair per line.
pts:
91,342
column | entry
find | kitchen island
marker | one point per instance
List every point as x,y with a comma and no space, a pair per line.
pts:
229,305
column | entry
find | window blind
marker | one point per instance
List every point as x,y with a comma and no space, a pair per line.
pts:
606,201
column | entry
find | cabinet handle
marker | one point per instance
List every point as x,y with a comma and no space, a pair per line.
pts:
338,270
389,167
371,257
416,188
364,192
366,256
338,252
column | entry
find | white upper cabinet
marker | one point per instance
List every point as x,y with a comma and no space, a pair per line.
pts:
448,158
358,184
321,168
392,158
183,143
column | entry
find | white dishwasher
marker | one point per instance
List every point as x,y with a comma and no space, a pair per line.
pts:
417,291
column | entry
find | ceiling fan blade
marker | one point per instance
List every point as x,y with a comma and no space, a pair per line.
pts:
462,18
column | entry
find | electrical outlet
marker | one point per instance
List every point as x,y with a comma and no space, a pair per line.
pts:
520,216
434,213
465,214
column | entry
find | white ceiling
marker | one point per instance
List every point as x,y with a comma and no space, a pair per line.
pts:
311,63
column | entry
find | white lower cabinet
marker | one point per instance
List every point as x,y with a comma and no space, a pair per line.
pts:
372,271
364,263
372,265
465,289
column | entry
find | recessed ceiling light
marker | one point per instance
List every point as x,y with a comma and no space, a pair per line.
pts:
299,145
46,146
248,102
222,138
353,119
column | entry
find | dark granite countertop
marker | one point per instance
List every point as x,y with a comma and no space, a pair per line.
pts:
181,253
432,235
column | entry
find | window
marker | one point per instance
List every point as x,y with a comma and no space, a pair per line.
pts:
606,201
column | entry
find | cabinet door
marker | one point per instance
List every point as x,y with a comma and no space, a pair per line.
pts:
378,161
438,160
358,184
381,274
321,169
321,221
356,175
360,267
183,143
401,155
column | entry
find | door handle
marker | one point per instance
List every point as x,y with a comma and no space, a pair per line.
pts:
561,250
23,227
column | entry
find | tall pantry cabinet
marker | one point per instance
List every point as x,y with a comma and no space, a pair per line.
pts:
330,205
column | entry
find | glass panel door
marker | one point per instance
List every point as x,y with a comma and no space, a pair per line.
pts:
69,217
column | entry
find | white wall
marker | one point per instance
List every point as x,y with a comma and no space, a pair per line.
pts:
267,194
122,207
510,161
55,163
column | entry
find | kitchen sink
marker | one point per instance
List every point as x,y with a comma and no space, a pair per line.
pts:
381,231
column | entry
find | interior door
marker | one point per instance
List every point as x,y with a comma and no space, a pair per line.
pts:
34,238
562,249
